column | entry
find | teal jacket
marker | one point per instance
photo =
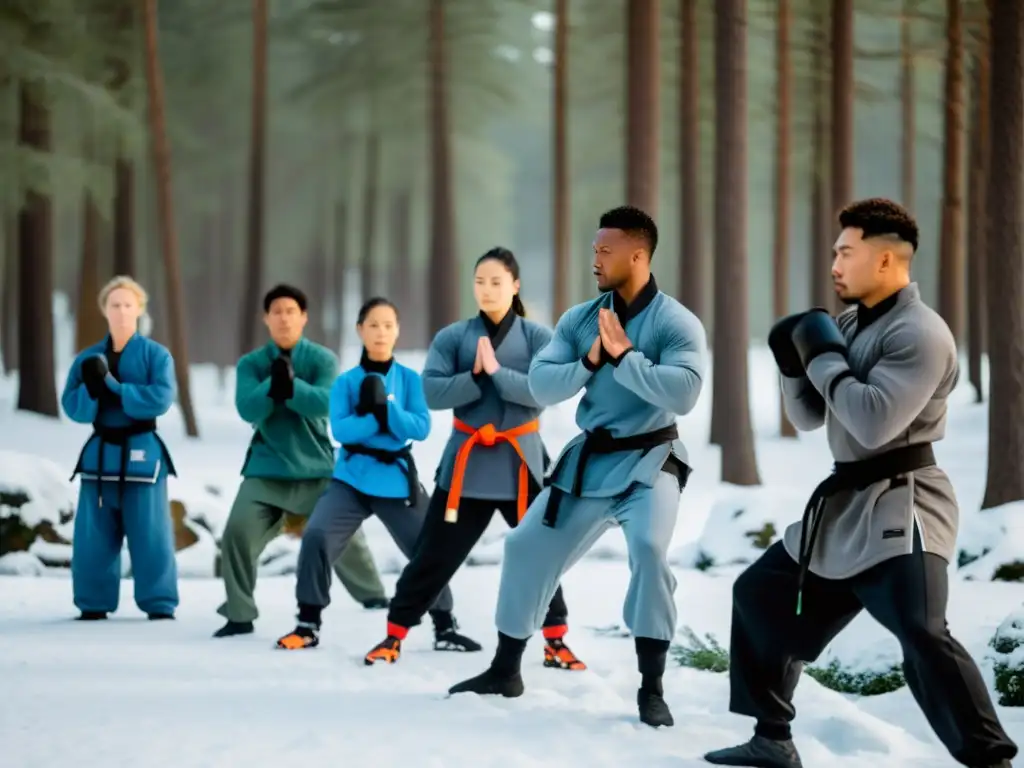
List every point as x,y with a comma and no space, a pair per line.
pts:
291,440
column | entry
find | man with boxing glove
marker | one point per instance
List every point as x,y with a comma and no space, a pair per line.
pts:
880,531
282,390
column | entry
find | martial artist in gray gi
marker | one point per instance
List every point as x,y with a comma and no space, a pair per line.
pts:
879,532
641,357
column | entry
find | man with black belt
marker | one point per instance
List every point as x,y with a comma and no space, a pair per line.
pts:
879,532
641,357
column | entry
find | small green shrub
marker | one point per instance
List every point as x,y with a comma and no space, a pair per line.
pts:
834,677
706,655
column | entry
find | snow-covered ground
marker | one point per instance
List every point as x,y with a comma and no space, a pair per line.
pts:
137,693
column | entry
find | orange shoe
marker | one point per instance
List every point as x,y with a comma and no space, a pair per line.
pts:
558,655
302,637
389,650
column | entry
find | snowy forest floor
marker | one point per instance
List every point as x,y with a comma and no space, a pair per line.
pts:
137,693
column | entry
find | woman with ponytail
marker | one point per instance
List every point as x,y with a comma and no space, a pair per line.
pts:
494,458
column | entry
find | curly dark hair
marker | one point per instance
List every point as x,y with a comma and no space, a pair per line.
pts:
880,217
633,221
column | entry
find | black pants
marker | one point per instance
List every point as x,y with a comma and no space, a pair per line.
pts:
443,547
907,595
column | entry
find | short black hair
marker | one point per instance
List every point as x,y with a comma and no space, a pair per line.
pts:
371,304
880,217
283,291
632,221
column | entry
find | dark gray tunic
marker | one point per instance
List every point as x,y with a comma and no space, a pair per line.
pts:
904,364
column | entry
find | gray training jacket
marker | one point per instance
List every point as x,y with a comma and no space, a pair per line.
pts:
904,364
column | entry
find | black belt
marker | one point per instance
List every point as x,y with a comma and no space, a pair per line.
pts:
118,436
854,476
598,443
392,457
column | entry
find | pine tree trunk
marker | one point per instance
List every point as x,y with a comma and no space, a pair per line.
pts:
1005,281
444,307
561,298
368,261
227,277
90,325
908,110
731,379
37,388
843,89
124,262
951,254
693,264
341,262
124,218
401,285
168,233
642,108
821,290
250,307
9,295
316,269
977,219
783,107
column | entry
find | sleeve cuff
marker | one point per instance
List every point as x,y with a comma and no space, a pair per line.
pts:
825,367
616,360
589,365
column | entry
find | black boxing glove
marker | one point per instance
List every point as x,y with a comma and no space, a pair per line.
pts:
816,333
780,341
94,371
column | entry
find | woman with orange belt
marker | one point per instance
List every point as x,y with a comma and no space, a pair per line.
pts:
494,458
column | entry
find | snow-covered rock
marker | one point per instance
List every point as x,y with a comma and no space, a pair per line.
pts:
991,544
37,506
21,564
742,524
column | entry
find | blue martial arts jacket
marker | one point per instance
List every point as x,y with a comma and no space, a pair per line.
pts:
124,446
374,462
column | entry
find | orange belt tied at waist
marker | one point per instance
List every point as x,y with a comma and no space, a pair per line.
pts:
487,436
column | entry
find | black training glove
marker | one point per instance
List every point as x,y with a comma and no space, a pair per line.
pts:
815,334
373,398
94,370
364,404
282,379
780,341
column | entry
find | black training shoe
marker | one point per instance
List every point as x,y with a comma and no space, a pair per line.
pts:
491,683
161,617
654,710
759,752
376,603
233,628
447,637
92,616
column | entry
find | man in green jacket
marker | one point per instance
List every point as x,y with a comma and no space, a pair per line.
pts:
283,389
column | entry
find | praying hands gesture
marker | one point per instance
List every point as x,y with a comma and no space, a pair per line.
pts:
613,336
486,361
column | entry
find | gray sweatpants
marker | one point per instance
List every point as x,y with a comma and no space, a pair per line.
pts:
536,556
337,516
